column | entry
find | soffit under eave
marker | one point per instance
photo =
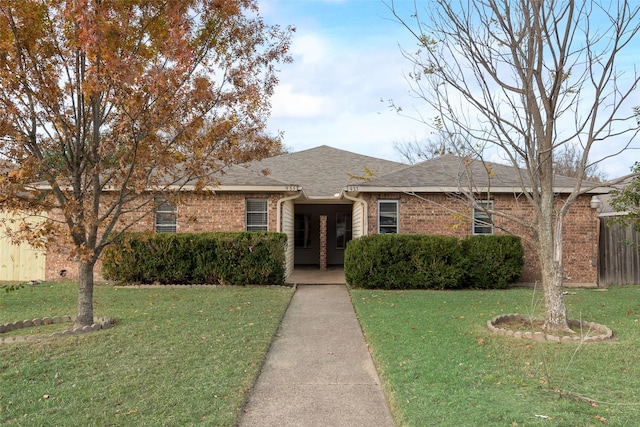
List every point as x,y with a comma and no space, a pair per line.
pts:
323,201
288,190
494,190
253,188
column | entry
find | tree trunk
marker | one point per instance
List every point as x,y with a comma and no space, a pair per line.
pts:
556,311
550,254
85,294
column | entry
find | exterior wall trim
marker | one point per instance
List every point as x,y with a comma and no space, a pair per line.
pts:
365,213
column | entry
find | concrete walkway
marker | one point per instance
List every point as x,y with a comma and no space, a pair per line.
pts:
318,371
315,276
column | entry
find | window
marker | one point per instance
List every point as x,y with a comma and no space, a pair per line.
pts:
387,216
256,214
343,230
166,218
482,220
302,231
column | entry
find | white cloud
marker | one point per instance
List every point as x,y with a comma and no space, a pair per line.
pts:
309,49
290,104
344,64
331,95
371,134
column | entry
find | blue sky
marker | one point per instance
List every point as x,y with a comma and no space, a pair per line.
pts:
347,65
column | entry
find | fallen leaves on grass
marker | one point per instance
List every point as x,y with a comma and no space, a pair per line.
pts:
131,412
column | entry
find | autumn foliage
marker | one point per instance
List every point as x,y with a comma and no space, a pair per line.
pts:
106,103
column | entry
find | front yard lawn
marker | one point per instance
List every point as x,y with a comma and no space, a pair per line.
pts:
440,365
188,356
176,356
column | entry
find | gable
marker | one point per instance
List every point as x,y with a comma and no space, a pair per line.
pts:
323,171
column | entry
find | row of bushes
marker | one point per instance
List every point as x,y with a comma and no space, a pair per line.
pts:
229,258
414,261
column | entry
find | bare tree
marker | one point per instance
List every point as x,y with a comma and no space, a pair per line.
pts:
439,144
441,141
414,151
527,78
567,162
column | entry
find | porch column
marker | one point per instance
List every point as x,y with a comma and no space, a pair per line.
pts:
323,242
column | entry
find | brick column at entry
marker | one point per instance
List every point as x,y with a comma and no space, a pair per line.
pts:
323,242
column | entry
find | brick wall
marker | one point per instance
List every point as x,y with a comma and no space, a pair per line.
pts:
196,214
447,215
221,212
323,242
428,213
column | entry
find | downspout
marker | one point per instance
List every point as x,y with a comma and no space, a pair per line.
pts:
365,211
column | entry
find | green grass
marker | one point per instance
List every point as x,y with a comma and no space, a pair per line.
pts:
181,356
441,366
38,331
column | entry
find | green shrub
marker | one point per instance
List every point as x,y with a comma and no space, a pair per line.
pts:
122,259
391,261
438,260
204,254
250,258
492,261
230,258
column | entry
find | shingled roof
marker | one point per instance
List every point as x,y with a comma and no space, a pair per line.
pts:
238,176
450,173
323,171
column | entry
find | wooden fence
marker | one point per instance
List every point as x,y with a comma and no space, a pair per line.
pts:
619,257
19,262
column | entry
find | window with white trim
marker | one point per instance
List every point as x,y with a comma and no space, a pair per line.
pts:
165,218
483,220
256,215
387,216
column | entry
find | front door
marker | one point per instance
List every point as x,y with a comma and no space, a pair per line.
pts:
307,233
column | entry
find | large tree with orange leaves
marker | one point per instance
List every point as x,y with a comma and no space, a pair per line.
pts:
106,102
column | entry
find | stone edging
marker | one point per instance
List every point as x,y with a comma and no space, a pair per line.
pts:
593,332
99,323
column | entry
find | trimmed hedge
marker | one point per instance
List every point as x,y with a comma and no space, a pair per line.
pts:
418,261
492,261
403,261
256,258
229,258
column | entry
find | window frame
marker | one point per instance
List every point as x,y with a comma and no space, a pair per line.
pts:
484,221
170,223
253,213
302,235
382,227
346,226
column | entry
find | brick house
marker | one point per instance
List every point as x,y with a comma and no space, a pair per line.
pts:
324,197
